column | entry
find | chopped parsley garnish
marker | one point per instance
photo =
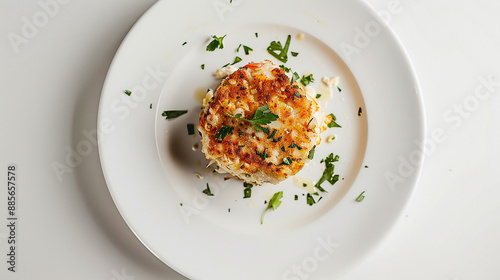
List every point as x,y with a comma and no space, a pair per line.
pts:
294,53
271,136
184,43
360,197
190,128
304,185
215,43
287,70
265,129
225,65
318,96
305,80
236,60
247,185
228,209
340,90
310,200
274,203
293,145
366,166
247,193
328,172
151,106
181,204
262,155
172,114
223,132
298,94
311,153
238,49
241,133
127,92
295,77
278,51
256,35
296,197
262,116
207,191
333,123
296,86
287,161
247,49
202,66
360,111
283,148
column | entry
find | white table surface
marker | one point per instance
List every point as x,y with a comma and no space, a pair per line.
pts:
70,229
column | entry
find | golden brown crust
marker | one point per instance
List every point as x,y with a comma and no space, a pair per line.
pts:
272,155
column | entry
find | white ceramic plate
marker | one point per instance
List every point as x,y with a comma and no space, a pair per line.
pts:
150,165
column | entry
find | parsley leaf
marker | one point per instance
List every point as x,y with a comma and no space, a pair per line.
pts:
271,136
278,51
262,155
310,200
340,90
295,77
247,49
311,153
207,191
333,123
127,92
247,193
293,145
328,172
173,114
287,70
262,116
305,80
190,128
360,111
287,161
294,54
274,203
360,197
223,132
236,60
215,43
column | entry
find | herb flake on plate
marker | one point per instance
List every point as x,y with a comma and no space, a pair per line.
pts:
216,43
172,114
279,51
274,203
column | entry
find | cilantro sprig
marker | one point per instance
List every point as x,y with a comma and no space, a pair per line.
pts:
279,51
262,116
274,203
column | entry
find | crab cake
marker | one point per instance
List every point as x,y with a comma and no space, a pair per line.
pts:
258,126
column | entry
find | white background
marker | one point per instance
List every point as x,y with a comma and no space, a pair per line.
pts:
70,229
